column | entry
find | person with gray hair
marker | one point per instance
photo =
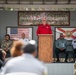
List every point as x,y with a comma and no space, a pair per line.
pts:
44,28
25,63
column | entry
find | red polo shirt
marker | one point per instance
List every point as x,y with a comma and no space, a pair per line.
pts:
44,29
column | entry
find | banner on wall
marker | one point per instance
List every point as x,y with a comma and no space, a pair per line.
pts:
69,33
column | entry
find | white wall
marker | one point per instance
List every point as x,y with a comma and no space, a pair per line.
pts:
60,68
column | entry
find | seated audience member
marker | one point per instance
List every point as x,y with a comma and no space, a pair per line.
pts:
1,59
25,63
16,49
6,45
24,39
74,47
61,47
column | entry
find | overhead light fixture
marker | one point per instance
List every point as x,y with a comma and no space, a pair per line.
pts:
11,9
26,9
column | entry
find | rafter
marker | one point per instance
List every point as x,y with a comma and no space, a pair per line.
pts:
43,1
56,1
5,1
69,1
18,1
31,1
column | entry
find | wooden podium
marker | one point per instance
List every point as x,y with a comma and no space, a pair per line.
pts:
45,47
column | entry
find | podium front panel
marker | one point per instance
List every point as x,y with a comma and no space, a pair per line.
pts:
45,52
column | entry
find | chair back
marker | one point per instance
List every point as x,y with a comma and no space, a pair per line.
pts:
69,48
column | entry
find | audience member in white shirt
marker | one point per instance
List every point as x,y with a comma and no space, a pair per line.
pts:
74,46
23,39
25,63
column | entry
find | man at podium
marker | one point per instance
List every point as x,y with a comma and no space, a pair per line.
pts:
44,28
45,52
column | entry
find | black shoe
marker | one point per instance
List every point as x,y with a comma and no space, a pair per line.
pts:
65,60
73,60
58,61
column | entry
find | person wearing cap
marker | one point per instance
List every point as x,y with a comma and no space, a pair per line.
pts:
23,39
44,28
74,46
25,63
61,45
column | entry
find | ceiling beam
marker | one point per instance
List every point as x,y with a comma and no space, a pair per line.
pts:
18,1
31,1
5,1
43,1
37,6
69,1
56,1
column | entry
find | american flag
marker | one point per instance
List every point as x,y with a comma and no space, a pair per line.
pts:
15,33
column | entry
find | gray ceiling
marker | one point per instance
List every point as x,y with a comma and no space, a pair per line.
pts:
38,2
